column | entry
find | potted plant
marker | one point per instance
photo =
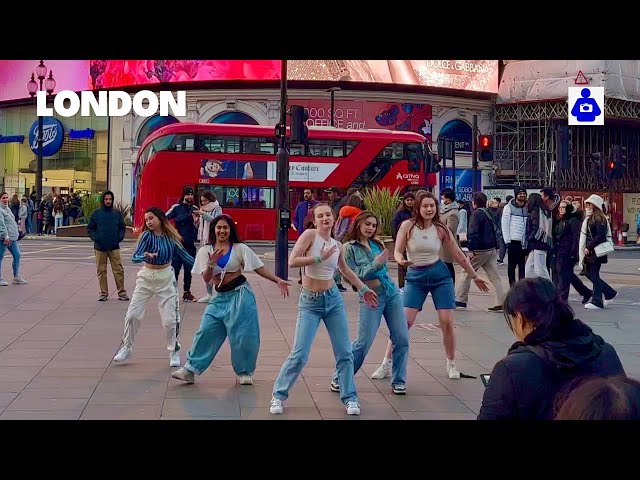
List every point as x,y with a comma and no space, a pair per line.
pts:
384,203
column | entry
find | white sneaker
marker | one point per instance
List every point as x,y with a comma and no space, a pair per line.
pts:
383,371
608,302
183,374
276,407
353,408
452,370
246,379
204,299
174,359
123,354
3,282
591,306
19,281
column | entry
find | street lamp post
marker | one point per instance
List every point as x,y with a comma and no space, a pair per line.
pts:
332,90
48,84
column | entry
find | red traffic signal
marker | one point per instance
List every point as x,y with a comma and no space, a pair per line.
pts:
484,141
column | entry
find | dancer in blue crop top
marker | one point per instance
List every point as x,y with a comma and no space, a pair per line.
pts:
319,255
155,248
232,312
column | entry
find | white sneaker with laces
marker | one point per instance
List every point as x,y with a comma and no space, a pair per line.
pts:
174,359
608,302
591,306
383,371
452,370
19,281
123,354
3,282
204,299
276,407
353,408
246,379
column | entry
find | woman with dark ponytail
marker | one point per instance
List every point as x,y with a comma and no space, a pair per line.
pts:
553,350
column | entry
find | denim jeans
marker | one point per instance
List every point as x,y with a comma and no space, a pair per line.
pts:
390,306
536,265
313,307
15,252
233,314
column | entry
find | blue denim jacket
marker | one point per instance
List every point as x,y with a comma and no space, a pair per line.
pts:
361,260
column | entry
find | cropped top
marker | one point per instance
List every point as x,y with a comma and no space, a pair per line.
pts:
164,246
238,257
423,246
326,269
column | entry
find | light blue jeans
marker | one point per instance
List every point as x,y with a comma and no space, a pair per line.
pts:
391,307
15,253
233,314
313,307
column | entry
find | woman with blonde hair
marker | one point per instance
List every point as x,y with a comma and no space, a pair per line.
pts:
595,231
156,247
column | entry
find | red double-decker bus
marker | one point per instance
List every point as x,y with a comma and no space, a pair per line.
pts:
238,164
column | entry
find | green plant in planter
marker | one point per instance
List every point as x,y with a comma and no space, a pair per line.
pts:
89,204
126,211
384,203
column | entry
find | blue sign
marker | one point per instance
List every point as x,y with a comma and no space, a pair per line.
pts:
52,136
464,182
460,131
86,133
11,138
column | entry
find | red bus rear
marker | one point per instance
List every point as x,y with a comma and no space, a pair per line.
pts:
238,164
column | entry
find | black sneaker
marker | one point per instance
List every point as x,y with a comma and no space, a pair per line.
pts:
103,298
399,389
188,297
334,386
460,305
496,308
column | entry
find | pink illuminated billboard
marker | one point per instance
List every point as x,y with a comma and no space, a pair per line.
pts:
77,75
69,75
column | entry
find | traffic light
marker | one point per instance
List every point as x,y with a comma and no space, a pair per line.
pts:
617,165
299,130
566,146
485,147
597,167
432,163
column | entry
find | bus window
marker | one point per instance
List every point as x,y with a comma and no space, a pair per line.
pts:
296,149
381,165
258,197
327,148
258,146
218,144
349,146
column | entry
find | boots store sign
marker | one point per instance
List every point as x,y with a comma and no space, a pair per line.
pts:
52,136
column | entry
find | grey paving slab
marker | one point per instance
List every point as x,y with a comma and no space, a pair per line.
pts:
57,343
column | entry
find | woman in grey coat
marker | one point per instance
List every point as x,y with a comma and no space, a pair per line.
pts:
9,240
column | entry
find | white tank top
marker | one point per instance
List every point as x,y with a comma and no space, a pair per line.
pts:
326,269
423,246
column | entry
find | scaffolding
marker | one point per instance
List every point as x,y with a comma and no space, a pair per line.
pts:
525,146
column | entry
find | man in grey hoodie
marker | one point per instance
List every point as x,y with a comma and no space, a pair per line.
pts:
514,222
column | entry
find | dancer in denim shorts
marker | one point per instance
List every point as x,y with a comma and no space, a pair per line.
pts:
319,254
421,238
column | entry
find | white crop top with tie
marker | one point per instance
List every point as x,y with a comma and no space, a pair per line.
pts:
423,246
326,269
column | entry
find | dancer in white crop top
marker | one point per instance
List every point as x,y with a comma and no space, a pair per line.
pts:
319,255
422,237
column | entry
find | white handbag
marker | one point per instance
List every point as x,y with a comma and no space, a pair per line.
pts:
605,248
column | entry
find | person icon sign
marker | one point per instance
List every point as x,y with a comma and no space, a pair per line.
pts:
586,108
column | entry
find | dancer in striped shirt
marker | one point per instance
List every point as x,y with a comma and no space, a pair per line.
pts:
156,246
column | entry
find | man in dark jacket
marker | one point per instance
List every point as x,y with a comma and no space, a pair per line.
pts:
106,228
482,244
182,213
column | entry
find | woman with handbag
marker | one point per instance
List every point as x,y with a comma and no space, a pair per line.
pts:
595,244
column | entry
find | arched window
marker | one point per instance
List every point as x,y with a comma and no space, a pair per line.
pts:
153,124
234,117
461,133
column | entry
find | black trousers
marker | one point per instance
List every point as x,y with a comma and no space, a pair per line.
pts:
517,257
177,263
600,287
564,277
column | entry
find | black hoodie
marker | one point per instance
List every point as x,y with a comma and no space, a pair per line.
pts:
106,227
566,236
525,384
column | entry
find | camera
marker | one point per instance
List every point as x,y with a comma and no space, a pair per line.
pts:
586,108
